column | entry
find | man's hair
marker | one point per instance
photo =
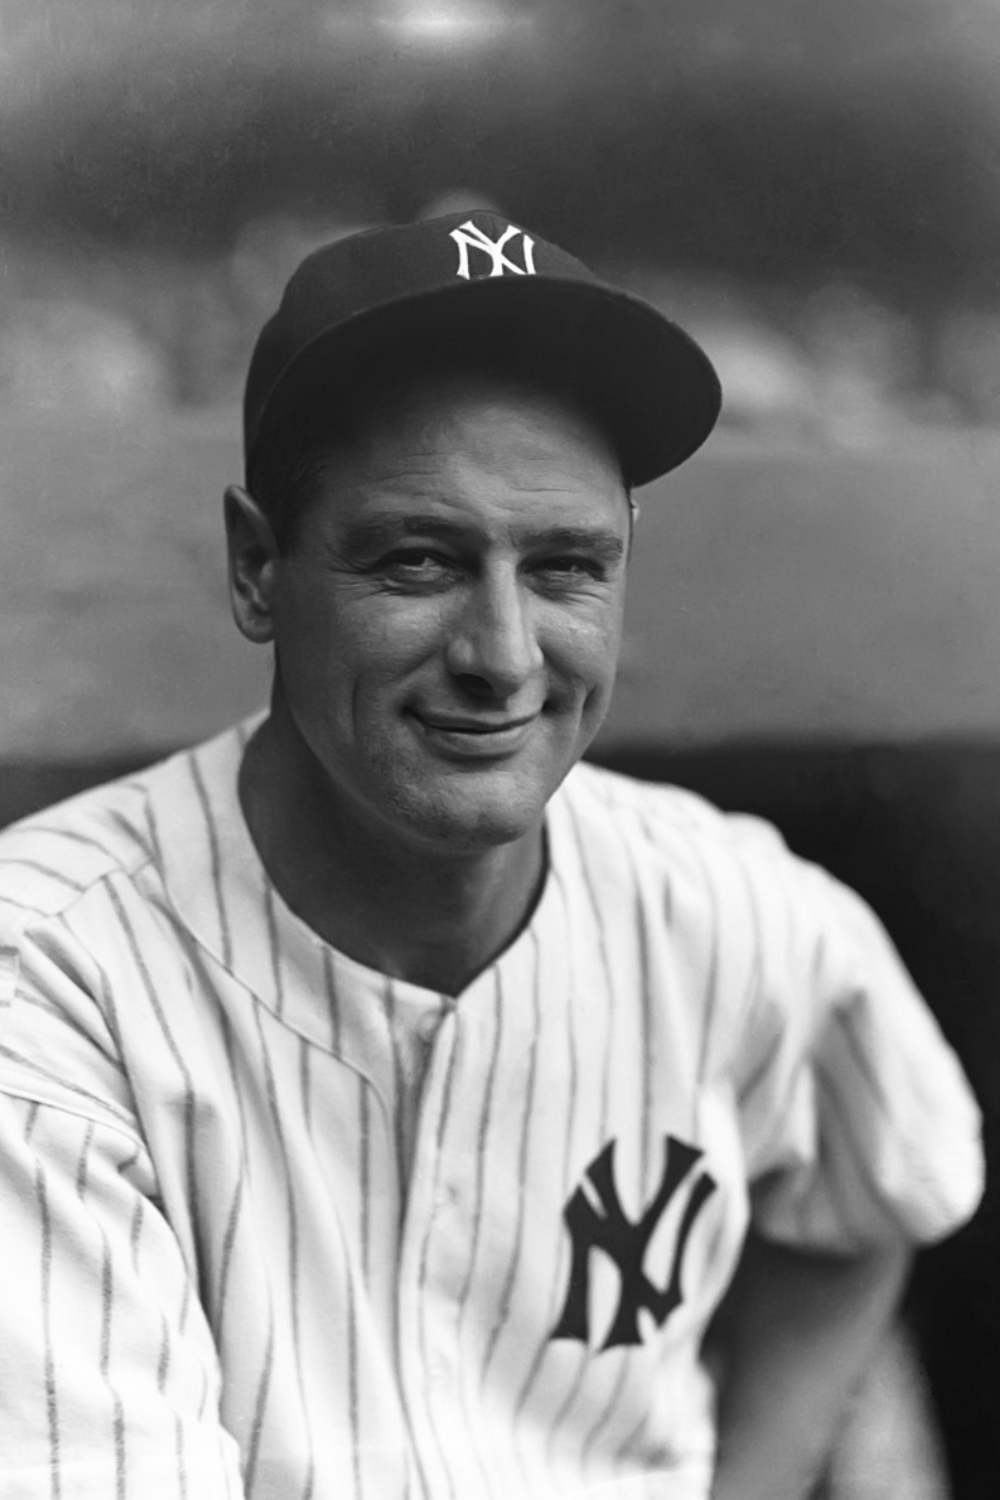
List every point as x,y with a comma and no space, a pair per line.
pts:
288,464
286,469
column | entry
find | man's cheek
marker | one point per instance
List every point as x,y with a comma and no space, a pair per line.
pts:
589,650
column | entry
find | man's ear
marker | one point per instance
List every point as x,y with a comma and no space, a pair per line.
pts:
252,552
633,520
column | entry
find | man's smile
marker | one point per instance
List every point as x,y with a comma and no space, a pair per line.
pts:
478,735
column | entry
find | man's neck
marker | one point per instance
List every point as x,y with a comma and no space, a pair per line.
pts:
433,920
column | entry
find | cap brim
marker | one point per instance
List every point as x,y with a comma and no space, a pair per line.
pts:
651,384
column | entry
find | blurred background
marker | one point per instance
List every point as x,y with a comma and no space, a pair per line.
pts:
812,186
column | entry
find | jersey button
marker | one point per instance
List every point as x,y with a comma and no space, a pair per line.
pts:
427,1026
445,1198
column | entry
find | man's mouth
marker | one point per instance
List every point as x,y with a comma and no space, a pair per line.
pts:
475,735
468,725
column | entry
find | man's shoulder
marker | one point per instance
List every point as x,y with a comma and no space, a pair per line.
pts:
649,814
623,835
52,857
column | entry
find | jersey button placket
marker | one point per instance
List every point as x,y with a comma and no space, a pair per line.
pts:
426,1312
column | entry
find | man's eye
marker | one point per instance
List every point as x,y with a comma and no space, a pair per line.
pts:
416,565
571,568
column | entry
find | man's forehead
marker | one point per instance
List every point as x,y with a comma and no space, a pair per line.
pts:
486,444
439,407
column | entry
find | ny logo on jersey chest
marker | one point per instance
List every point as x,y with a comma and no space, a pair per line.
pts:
469,236
604,1226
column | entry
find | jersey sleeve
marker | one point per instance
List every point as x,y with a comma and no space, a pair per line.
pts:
857,1120
109,1380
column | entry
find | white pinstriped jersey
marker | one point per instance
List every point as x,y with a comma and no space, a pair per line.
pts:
273,1225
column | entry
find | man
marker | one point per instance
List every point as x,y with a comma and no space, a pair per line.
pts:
388,1107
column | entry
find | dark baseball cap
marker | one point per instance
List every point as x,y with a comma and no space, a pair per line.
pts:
475,276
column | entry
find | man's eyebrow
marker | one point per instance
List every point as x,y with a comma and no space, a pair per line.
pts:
385,531
600,540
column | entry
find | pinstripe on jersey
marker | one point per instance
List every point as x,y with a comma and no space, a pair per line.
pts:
277,1226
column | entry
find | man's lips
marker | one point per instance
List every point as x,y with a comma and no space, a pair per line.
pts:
472,736
467,725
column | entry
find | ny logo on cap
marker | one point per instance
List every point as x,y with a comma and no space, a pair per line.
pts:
469,236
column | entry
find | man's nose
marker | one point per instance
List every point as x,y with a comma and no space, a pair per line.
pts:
494,642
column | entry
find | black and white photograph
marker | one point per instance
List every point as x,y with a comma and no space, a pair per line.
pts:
500,750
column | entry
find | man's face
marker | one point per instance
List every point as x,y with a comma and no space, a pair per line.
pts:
447,622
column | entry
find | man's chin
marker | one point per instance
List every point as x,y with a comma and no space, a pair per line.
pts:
467,833
472,818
